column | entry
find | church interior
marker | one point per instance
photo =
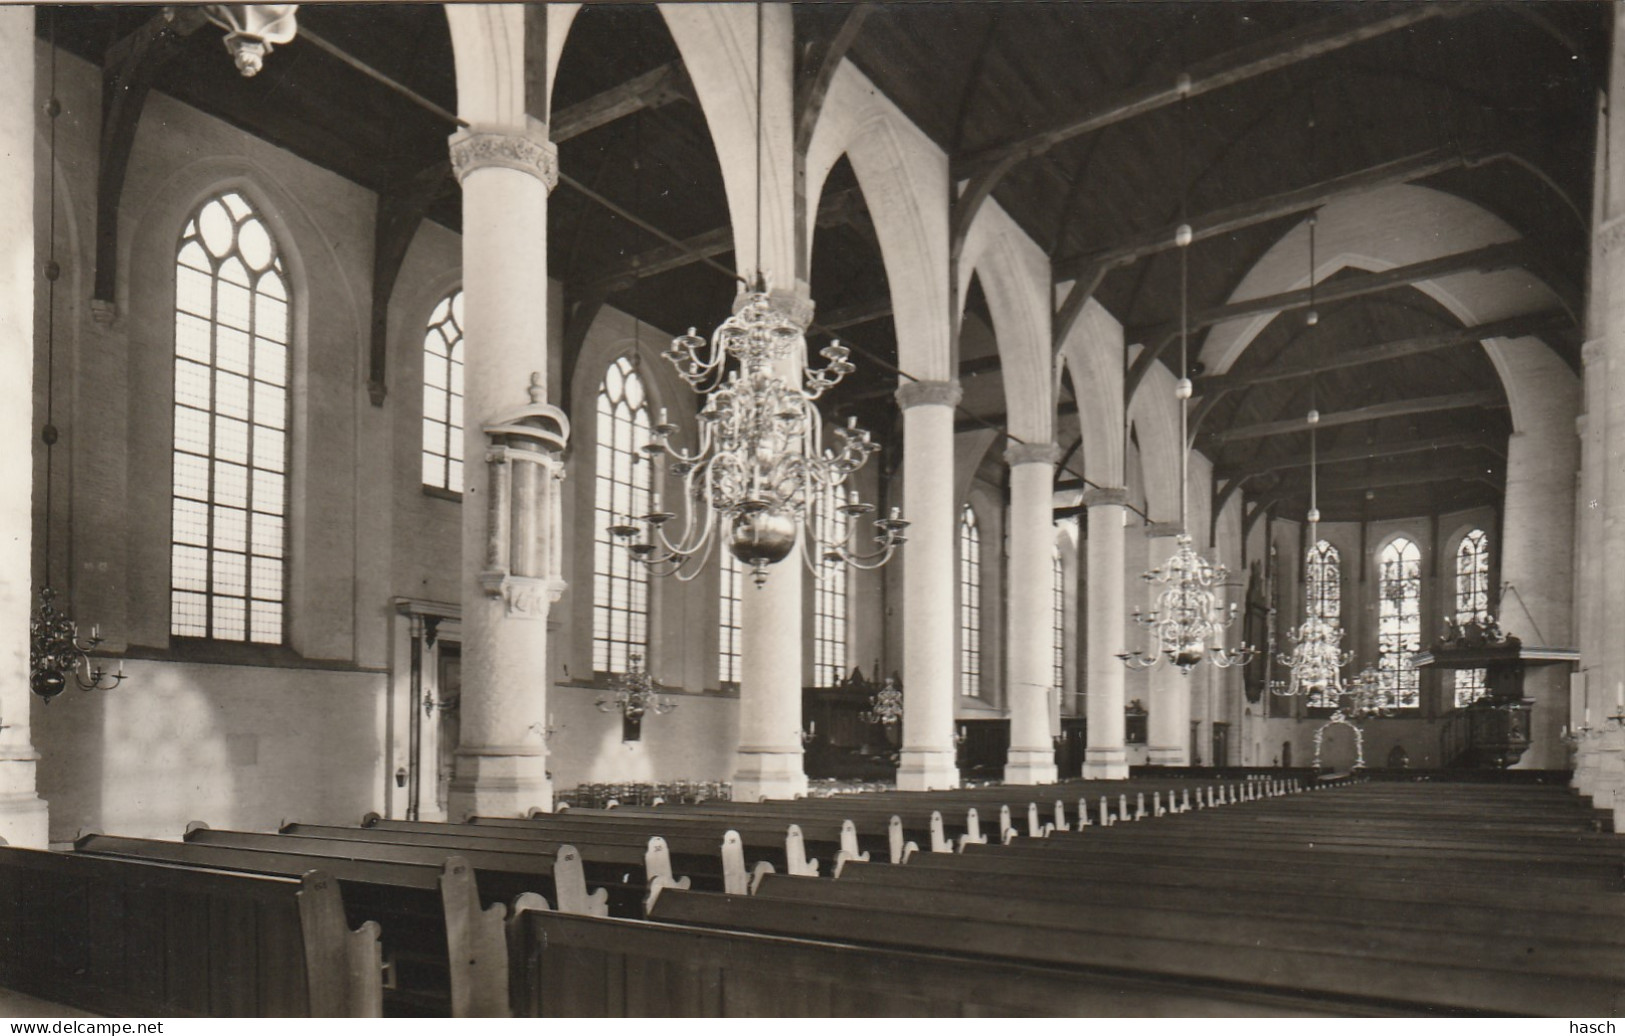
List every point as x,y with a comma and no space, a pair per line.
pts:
615,509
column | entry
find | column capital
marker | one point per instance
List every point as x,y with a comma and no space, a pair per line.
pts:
527,150
1610,235
929,393
1101,496
1018,453
795,303
1162,530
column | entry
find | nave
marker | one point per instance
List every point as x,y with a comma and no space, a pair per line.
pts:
1260,896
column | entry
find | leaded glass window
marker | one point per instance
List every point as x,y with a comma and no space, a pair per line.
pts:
1058,621
1323,581
443,395
228,542
829,597
733,580
620,606
1399,630
1472,602
970,603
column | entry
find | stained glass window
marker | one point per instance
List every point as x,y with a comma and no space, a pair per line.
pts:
1472,602
1399,630
620,606
1323,595
443,395
228,542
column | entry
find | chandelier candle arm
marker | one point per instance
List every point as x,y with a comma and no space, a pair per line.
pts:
761,468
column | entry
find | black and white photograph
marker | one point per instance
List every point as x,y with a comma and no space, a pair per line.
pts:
1074,509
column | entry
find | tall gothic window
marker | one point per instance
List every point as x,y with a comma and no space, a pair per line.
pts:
228,543
1058,621
1472,601
829,598
443,395
1323,594
1323,584
970,603
733,580
1399,630
620,604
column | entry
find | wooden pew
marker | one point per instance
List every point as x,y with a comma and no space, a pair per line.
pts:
591,967
502,876
1508,918
125,937
1338,978
1377,935
446,949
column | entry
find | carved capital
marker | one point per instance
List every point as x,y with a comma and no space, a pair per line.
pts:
529,152
523,597
1593,351
795,303
1102,496
1031,453
1610,235
929,393
103,311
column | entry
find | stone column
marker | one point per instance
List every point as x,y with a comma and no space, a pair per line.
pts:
1168,734
928,585
1105,757
1031,759
768,763
22,812
501,764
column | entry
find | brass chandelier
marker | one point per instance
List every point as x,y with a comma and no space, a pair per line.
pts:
1317,659
1187,623
761,473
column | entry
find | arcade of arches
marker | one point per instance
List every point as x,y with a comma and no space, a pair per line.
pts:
290,305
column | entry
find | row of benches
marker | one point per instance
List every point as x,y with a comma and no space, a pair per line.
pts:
1303,904
393,916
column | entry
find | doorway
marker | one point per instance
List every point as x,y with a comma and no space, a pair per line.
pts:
1221,744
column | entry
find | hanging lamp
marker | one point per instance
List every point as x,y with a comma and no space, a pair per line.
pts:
58,654
1317,659
762,468
1187,624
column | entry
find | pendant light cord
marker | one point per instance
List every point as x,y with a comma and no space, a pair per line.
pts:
48,433
760,46
1184,234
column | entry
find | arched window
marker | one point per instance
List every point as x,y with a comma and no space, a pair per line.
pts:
1323,594
1399,630
970,603
228,549
1323,581
443,395
620,606
1058,620
733,580
829,597
1472,602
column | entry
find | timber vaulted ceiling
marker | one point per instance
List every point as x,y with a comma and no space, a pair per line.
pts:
1062,114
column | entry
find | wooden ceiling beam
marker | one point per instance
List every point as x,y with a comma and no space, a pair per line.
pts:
1227,220
1360,452
984,170
701,247
653,89
1214,387
1486,398
1065,408
129,69
1158,337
